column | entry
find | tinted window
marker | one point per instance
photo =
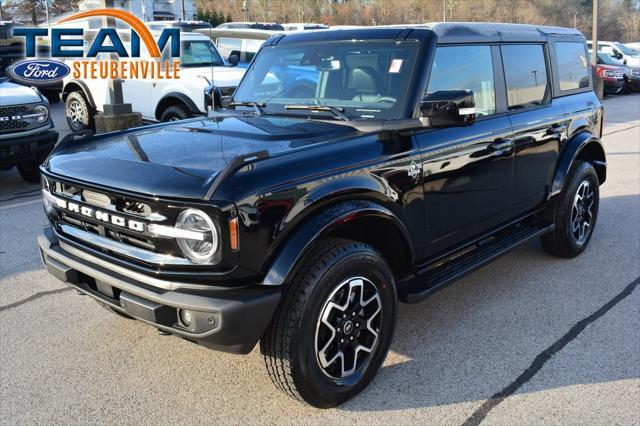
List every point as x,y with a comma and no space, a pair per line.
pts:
465,67
363,79
526,74
573,71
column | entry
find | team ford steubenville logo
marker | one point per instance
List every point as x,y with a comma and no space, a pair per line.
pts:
40,70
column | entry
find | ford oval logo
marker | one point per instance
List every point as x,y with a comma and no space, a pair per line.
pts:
40,70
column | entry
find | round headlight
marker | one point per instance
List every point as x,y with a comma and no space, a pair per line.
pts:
201,247
40,113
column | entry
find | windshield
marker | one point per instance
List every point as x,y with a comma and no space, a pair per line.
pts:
608,60
199,53
627,50
362,79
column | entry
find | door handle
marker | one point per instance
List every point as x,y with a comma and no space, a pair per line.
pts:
501,145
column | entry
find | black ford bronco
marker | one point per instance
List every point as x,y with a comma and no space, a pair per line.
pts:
354,169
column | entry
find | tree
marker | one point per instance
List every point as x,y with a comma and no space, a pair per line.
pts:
59,7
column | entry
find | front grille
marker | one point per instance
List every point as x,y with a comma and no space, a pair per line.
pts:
108,222
11,118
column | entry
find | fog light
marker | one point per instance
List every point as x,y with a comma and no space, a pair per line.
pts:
185,317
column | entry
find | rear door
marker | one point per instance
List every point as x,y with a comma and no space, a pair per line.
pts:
538,121
468,171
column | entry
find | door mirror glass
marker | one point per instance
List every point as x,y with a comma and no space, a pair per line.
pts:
233,59
449,108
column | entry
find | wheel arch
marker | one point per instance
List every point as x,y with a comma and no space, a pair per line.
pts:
75,86
175,98
360,220
582,146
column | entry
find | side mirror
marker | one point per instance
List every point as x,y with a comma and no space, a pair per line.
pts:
449,108
233,60
213,97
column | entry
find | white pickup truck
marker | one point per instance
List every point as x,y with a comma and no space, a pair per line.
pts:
157,99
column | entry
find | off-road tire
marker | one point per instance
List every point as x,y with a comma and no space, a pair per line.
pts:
174,113
78,112
561,242
289,343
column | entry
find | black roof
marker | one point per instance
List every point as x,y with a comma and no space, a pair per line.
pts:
446,32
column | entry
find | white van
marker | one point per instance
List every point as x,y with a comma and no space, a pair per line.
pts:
157,99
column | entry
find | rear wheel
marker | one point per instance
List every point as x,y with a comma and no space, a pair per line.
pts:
334,326
574,213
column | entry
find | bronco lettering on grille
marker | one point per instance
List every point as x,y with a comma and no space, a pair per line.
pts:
100,215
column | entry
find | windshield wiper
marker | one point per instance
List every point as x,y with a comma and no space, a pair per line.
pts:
257,106
336,111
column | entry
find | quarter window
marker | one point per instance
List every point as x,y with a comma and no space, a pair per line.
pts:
525,72
465,67
573,70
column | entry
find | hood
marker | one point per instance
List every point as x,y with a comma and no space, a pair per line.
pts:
222,76
611,67
15,94
180,160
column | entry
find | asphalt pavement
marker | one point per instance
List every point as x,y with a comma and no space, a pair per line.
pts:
529,339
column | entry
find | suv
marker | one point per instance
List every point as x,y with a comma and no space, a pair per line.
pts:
157,100
300,219
26,129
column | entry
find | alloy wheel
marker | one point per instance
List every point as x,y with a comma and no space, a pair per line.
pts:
76,112
581,212
348,328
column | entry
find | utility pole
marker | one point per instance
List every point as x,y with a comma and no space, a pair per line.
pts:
46,10
182,11
444,10
594,34
575,19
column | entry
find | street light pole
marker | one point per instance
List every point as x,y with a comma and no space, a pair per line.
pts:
594,34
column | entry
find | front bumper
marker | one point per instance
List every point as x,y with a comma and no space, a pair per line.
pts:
634,83
22,149
229,320
613,85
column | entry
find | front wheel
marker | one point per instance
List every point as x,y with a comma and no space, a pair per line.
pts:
334,326
30,172
574,213
78,112
174,113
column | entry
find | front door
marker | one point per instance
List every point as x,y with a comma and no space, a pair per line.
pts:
467,171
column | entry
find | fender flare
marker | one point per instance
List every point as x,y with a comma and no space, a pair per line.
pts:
85,90
568,156
300,240
182,98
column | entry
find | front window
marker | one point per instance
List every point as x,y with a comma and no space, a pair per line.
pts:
627,50
199,53
361,79
465,67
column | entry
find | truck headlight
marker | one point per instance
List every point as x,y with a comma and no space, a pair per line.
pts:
202,242
40,113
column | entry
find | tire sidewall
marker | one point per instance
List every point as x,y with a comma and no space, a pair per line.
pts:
318,387
585,172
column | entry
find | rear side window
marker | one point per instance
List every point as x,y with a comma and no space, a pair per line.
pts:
525,72
465,67
573,70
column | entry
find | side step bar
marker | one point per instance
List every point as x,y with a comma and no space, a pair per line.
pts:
443,272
